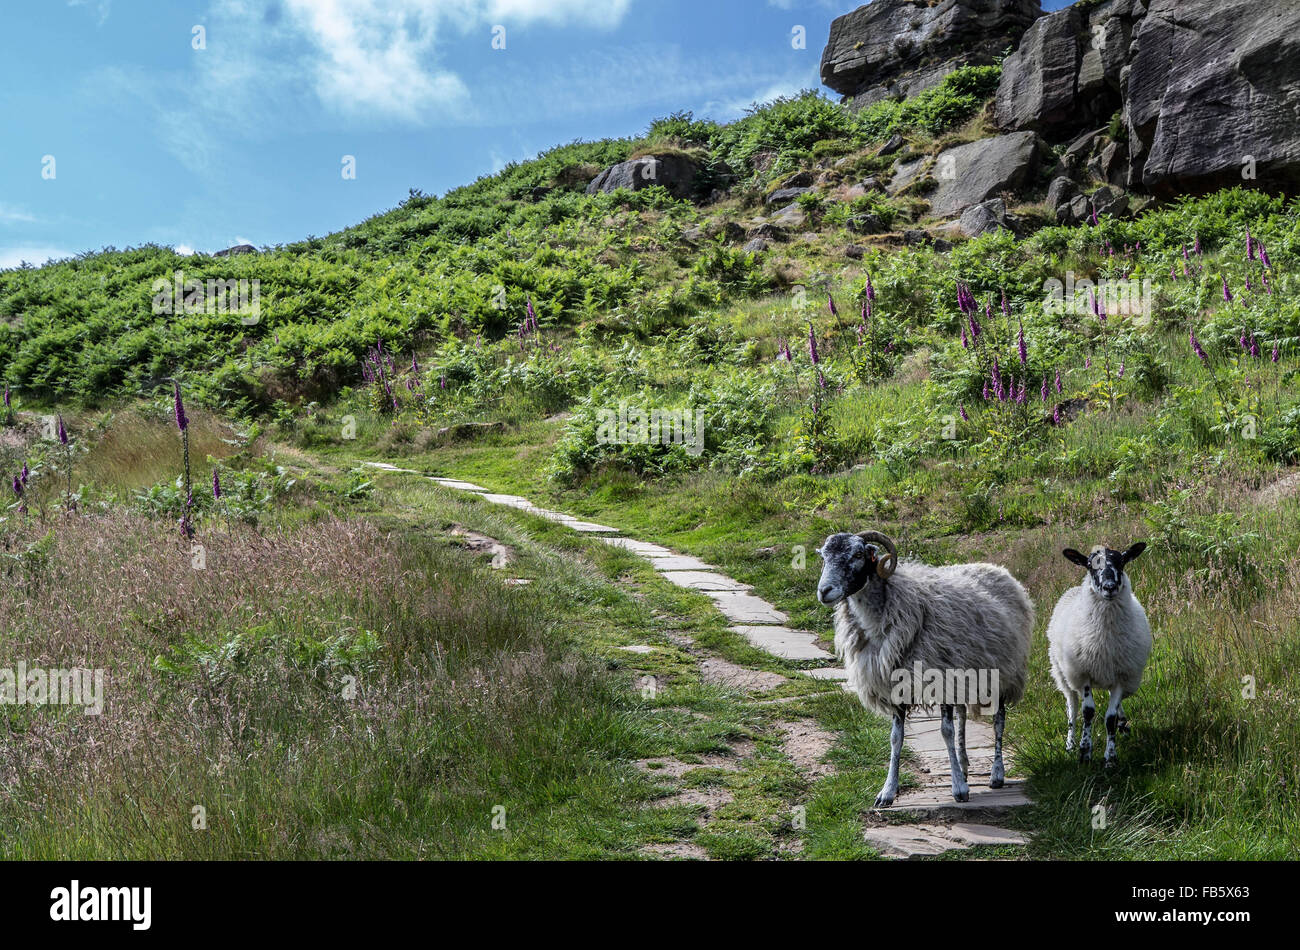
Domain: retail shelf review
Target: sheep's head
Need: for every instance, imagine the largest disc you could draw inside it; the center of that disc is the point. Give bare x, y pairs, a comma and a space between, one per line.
1105, 567
851, 561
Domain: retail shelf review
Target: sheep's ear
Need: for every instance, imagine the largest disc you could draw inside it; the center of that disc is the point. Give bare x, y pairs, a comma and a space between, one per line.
1132, 553
1072, 555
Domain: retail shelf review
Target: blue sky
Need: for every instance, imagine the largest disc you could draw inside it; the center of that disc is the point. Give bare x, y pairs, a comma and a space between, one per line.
153, 140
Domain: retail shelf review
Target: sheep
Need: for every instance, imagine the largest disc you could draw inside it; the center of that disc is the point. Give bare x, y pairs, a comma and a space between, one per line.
897, 623
1099, 638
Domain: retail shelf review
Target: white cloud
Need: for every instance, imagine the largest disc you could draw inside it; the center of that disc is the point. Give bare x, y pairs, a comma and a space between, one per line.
184, 250
12, 215
14, 256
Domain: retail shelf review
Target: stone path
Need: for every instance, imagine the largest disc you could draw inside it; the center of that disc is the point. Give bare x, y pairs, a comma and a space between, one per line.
763, 625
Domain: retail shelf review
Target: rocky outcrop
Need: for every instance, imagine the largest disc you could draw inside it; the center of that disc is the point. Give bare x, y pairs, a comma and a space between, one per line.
236, 250
677, 173
1210, 90
1068, 72
898, 48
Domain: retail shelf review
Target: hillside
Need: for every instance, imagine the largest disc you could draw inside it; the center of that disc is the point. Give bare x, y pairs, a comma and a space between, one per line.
1037, 351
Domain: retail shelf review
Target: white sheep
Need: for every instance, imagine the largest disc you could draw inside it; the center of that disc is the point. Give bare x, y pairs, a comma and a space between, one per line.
897, 625
1099, 638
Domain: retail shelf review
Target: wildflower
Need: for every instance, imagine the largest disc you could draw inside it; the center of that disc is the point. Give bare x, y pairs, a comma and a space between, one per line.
964, 417
415, 365
821, 380
1263, 256
26, 473
1058, 382
1263, 278
532, 315
1184, 252
985, 393
1006, 311
1087, 362
1254, 348
1024, 350
1245, 344
1121, 369
1094, 215
974, 328
1023, 395
1197, 246
1056, 415
1198, 349
1042, 396
1276, 356
216, 485
442, 382
812, 345
830, 303
965, 344
1227, 294
870, 291
62, 432
18, 486
182, 422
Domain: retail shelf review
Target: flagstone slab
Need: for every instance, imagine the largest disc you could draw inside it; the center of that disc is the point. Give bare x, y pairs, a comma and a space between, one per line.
937, 800
828, 673
704, 581
783, 642
680, 562
909, 841
510, 501
638, 648
745, 608
457, 485
642, 548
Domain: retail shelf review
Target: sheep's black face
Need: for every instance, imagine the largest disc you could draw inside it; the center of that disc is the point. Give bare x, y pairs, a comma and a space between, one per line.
848, 563
1105, 567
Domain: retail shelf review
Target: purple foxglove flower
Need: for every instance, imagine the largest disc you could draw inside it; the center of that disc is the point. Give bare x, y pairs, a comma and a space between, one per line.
1087, 362
997, 369
1263, 278
442, 382
1275, 357
1227, 294
965, 344
1094, 214
26, 473
1184, 252
821, 380
1042, 396
1248, 284
182, 422
974, 328
1058, 382
18, 486
1198, 349
1245, 343
216, 485
1121, 369
964, 417
1173, 272
812, 345
62, 432
866, 311
830, 304
1056, 415
1024, 350
1022, 397
985, 392
1197, 246
1185, 274
1263, 256
870, 291
415, 365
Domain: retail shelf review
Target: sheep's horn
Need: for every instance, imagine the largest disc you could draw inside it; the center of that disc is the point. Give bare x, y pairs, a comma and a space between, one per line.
886, 566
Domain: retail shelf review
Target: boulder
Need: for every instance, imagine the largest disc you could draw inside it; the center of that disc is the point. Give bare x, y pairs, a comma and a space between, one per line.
897, 48
791, 216
1108, 200
757, 246
768, 231
1060, 191
855, 252
677, 173
972, 173
904, 174
988, 215
893, 145
866, 223
1209, 90
786, 195
803, 179
237, 249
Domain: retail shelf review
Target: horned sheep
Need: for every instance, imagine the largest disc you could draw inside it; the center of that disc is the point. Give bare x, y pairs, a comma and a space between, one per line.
894, 617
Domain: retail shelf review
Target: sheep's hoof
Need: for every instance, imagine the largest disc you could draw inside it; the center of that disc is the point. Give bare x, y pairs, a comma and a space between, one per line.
1123, 726
996, 783
962, 796
884, 800
1085, 754
1110, 762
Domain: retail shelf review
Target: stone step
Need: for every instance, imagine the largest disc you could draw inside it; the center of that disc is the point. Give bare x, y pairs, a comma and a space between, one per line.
783, 642
928, 840
937, 801
744, 608
704, 581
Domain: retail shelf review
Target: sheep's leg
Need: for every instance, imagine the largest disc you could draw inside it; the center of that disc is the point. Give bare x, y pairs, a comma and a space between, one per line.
1085, 737
890, 789
961, 739
1113, 714
998, 777
1123, 720
1072, 715
960, 790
